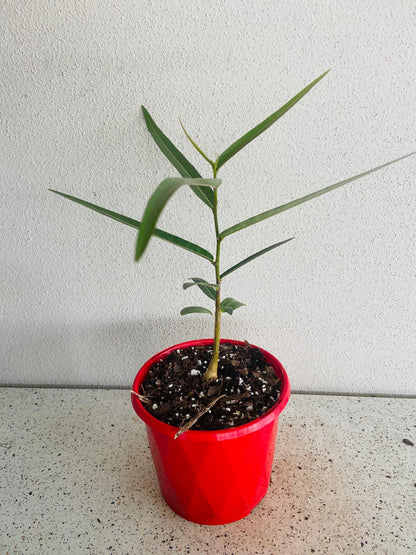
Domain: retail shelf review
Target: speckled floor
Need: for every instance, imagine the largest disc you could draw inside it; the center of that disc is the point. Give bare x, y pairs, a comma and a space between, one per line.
76, 475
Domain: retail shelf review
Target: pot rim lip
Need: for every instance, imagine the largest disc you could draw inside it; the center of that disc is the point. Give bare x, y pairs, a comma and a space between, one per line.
204, 435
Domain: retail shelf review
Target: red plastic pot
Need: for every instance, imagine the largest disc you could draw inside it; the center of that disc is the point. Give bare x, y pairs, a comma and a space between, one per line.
213, 477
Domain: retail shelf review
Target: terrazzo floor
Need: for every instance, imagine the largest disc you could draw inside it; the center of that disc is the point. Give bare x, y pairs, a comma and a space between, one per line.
77, 476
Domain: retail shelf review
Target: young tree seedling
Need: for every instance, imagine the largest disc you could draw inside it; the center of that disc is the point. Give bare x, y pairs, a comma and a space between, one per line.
207, 191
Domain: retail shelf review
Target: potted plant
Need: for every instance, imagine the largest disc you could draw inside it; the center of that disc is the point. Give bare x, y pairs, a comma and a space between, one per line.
211, 406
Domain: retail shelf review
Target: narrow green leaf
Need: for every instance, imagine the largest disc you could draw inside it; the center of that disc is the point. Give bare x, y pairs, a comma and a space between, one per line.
187, 245
177, 159
229, 305
256, 131
188, 284
253, 256
208, 288
158, 201
191, 309
196, 147
293, 203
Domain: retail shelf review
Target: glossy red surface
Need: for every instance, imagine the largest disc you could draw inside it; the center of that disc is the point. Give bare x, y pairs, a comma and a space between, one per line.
213, 477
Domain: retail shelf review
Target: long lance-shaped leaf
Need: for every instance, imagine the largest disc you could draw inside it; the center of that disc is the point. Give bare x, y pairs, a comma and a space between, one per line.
158, 201
256, 131
207, 288
192, 309
293, 203
177, 159
178, 241
253, 256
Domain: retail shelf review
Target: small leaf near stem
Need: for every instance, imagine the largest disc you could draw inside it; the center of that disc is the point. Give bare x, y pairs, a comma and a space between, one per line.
188, 284
229, 305
193, 143
207, 288
194, 309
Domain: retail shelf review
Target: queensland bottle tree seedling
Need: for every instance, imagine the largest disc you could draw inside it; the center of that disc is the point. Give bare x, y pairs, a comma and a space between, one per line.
207, 191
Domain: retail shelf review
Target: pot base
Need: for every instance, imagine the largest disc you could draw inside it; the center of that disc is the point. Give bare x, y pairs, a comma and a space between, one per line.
215, 521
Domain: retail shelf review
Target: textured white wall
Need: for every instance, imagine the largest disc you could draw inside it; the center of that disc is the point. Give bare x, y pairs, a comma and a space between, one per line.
337, 305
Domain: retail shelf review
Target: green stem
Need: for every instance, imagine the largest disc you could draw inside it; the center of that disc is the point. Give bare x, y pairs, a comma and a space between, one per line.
212, 370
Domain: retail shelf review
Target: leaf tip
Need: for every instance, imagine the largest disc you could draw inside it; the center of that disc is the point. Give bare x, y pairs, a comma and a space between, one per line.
139, 250
323, 75
183, 129
57, 192
145, 114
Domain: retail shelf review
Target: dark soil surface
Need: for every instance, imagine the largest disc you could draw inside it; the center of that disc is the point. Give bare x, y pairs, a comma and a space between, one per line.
174, 391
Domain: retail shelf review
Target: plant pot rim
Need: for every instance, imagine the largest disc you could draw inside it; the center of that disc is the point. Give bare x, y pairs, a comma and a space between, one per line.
219, 435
